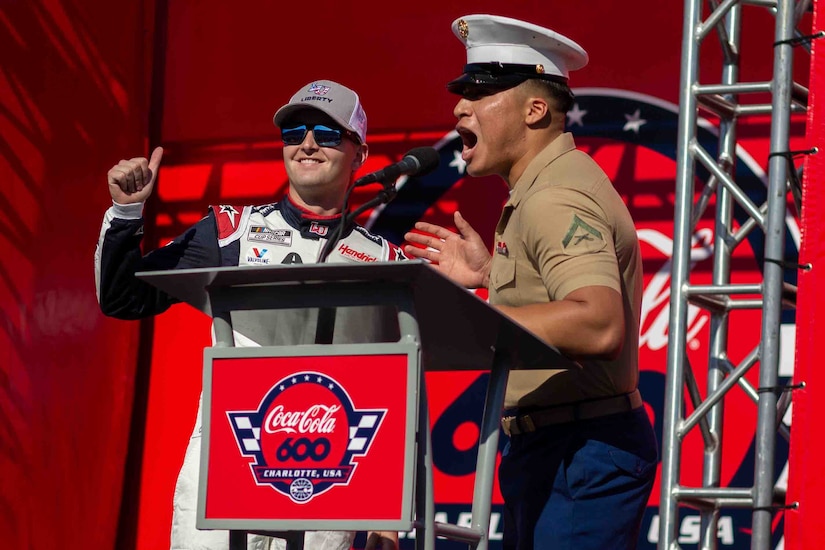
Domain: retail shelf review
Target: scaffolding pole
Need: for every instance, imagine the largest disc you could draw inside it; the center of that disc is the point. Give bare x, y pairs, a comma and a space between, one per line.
682, 394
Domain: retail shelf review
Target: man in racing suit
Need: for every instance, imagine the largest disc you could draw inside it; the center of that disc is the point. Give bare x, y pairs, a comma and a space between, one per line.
324, 143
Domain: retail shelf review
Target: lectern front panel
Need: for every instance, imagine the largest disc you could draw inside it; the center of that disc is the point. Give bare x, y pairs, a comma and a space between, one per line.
309, 437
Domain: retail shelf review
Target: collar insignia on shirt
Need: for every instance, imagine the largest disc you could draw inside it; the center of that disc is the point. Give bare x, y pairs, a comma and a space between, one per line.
501, 248
230, 211
318, 229
579, 232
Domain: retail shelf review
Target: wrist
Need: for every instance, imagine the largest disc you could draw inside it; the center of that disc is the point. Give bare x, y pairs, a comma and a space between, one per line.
131, 211
485, 273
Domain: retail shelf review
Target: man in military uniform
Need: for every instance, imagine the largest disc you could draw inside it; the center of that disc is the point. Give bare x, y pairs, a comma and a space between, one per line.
581, 457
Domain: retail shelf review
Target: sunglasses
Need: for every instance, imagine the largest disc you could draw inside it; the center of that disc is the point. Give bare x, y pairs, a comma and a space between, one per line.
324, 136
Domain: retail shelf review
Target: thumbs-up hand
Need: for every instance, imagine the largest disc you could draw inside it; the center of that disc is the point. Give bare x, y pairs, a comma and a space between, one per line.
132, 180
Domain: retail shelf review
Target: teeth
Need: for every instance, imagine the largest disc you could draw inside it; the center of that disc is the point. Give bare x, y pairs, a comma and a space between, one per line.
309, 161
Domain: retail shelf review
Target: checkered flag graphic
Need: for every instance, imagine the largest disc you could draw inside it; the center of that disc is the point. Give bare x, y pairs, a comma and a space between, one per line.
361, 434
247, 435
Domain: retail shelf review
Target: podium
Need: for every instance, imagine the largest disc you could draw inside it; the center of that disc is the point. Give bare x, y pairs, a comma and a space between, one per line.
331, 436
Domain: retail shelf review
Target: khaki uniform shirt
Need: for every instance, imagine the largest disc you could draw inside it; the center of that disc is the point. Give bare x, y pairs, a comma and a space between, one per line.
565, 227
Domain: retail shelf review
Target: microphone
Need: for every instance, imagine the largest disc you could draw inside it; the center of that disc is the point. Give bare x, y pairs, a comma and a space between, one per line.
416, 162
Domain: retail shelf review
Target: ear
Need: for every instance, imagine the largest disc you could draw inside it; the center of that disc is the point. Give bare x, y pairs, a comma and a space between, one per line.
536, 109
360, 157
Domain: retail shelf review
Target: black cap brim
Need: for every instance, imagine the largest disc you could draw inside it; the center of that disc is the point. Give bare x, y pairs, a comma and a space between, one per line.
496, 77
493, 83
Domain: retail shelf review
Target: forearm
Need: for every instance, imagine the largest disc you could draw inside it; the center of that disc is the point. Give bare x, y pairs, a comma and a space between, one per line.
382, 540
117, 258
593, 327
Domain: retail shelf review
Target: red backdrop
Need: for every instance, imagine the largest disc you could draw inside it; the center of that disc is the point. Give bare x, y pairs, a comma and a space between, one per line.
806, 476
73, 89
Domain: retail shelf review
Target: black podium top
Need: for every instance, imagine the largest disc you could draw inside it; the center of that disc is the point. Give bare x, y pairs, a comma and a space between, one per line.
459, 331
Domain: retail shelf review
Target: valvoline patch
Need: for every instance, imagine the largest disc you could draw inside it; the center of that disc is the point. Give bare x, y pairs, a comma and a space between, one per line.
304, 435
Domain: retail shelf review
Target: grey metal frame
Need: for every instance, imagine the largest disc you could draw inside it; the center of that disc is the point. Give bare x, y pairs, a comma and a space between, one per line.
721, 297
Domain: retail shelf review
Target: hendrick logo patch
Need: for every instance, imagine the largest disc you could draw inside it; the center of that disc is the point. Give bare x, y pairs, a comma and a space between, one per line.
357, 255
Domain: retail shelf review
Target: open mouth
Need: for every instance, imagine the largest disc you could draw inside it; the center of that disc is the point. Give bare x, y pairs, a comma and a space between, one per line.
468, 139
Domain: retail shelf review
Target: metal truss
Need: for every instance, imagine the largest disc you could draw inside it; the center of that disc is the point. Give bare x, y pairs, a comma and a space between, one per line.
686, 407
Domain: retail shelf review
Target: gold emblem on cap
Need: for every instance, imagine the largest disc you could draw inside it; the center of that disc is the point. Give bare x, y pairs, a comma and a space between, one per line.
540, 68
463, 29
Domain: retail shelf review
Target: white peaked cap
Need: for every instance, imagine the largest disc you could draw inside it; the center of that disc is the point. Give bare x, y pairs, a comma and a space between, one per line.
539, 52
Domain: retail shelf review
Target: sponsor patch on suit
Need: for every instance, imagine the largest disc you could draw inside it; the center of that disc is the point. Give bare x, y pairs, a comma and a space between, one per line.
274, 236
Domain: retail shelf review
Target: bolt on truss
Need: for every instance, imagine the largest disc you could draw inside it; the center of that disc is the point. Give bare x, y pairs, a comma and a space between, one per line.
687, 408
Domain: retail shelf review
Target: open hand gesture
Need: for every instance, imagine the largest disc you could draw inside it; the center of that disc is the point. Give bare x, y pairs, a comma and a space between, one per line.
462, 257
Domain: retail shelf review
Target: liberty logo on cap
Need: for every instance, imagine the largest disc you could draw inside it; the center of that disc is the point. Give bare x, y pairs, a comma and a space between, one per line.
318, 89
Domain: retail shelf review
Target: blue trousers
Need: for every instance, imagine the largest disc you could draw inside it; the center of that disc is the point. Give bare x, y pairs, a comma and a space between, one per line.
579, 485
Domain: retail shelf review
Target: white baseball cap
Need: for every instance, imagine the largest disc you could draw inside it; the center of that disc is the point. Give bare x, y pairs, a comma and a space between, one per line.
336, 100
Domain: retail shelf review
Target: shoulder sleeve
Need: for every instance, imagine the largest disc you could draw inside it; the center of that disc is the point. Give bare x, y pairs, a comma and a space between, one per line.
569, 238
230, 221
383, 247
395, 252
118, 257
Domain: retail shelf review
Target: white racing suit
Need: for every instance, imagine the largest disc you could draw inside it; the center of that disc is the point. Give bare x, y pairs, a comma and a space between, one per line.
278, 233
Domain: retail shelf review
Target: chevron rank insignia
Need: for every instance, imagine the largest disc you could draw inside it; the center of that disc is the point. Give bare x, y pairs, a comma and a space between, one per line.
582, 237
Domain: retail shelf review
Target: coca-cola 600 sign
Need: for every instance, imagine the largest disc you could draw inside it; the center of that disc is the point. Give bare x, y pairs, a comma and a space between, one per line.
304, 435
292, 436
